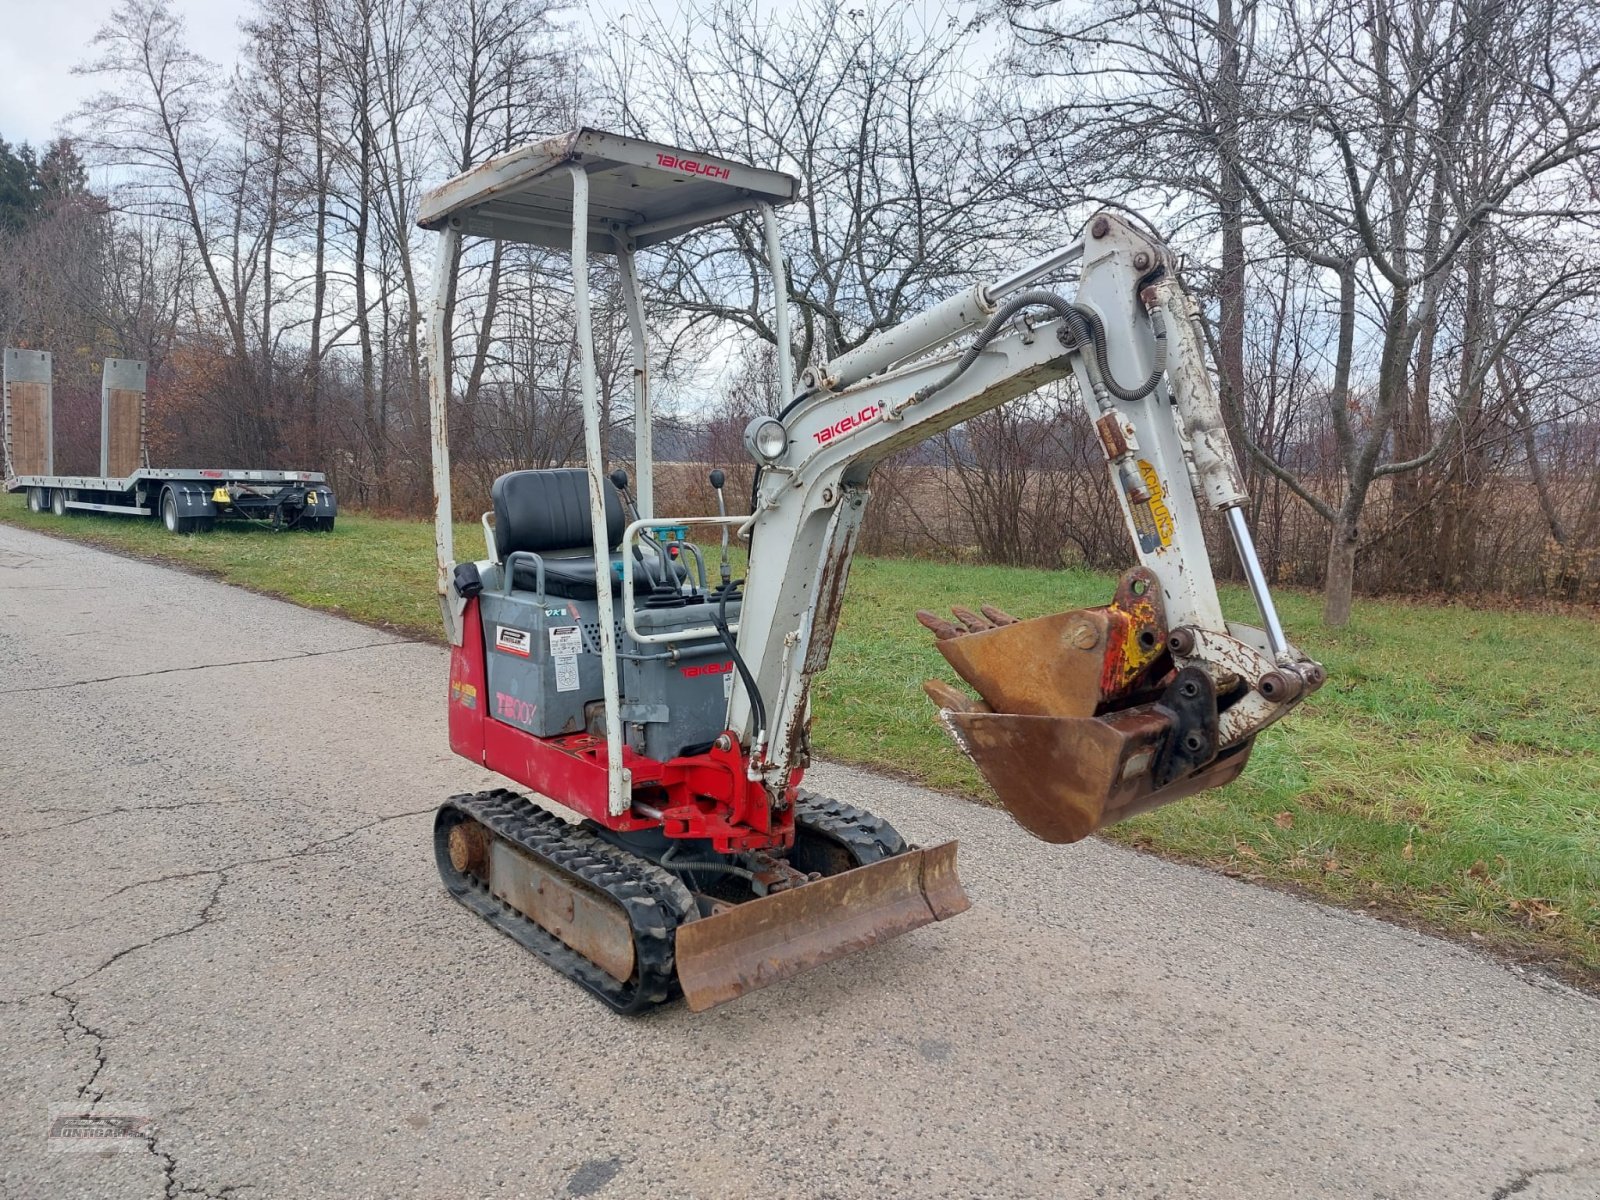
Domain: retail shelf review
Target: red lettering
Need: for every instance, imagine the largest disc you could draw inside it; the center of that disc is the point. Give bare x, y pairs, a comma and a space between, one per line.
514, 708
838, 428
690, 166
707, 669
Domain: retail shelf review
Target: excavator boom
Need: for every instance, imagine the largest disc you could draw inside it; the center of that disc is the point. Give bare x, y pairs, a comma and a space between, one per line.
1081, 718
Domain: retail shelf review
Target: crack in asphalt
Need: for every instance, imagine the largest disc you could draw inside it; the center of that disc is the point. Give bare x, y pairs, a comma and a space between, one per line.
28, 937
310, 850
1523, 1180
205, 917
169, 1176
243, 662
98, 1036
119, 809
73, 1020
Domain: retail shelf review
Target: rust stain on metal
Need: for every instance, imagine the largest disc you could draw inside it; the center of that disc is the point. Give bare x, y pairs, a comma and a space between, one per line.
1063, 778
1073, 732
469, 848
1112, 436
586, 921
1039, 666
1068, 664
755, 944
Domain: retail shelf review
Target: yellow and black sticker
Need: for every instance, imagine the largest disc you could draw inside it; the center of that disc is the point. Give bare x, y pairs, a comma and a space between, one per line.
1160, 514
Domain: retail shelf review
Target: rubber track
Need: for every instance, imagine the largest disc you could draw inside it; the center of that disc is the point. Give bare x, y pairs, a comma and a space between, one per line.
867, 837
655, 901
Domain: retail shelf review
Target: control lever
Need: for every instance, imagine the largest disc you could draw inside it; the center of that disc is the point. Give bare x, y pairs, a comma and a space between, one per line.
619, 480
718, 479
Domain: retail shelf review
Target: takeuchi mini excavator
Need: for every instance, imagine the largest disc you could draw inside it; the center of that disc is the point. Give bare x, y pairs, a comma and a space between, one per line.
598, 660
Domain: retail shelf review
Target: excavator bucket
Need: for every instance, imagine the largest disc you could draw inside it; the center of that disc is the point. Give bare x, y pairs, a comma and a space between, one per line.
1062, 778
1083, 721
748, 946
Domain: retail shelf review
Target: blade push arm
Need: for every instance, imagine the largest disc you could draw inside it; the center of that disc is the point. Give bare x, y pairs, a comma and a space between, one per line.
1129, 339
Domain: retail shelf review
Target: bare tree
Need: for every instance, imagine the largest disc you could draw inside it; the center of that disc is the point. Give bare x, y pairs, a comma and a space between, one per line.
908, 165
156, 122
1378, 141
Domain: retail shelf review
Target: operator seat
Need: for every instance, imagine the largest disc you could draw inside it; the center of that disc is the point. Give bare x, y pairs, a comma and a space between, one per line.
547, 513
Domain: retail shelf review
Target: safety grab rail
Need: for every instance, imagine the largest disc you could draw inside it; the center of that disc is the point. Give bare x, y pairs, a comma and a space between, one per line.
629, 535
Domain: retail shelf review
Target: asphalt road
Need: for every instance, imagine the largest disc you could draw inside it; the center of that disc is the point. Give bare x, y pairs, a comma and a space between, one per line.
218, 912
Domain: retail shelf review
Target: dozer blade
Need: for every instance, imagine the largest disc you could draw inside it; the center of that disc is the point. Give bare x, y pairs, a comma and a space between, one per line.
760, 942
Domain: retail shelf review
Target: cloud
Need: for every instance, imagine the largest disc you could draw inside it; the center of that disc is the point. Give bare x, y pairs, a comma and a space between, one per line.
44, 39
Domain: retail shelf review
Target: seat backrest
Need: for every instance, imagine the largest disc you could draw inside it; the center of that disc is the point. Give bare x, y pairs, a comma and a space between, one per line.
542, 511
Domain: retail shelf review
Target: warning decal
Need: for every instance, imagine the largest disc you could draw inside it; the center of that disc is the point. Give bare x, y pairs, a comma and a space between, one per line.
1160, 514
565, 640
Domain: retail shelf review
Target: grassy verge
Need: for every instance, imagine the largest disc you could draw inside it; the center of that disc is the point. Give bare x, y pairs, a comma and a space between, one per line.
1448, 775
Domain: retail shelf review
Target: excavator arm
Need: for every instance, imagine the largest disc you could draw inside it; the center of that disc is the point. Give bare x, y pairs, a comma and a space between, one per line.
1081, 718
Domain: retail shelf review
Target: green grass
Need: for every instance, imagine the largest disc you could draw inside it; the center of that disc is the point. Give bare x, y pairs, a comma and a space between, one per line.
1448, 775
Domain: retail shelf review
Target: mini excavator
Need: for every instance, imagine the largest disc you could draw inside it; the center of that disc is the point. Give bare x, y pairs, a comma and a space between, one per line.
597, 662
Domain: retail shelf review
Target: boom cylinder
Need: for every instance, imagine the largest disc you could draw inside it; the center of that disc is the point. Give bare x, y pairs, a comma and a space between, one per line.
945, 320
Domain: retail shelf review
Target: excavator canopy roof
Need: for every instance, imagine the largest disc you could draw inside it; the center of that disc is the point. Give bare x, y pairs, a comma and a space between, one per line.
639, 191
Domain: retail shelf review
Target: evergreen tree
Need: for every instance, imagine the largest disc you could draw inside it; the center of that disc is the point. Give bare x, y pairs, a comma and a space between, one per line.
19, 186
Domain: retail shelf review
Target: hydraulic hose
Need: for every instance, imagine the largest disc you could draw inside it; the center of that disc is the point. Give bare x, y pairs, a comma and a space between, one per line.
720, 620
1088, 333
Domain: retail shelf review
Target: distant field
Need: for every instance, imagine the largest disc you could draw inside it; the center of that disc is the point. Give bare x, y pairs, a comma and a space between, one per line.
1448, 775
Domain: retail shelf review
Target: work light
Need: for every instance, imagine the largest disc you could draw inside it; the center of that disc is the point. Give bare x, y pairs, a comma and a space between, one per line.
765, 439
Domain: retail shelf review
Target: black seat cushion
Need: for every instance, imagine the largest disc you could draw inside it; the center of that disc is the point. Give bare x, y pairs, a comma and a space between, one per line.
573, 578
542, 511
568, 578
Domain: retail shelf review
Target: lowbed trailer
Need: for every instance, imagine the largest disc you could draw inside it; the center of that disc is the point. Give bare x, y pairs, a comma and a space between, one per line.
187, 500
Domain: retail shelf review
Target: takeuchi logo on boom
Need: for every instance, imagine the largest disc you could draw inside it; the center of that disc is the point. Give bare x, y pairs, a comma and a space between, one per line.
691, 166
824, 436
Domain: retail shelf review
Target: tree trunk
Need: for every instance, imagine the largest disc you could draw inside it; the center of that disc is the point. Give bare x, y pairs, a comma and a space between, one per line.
1341, 580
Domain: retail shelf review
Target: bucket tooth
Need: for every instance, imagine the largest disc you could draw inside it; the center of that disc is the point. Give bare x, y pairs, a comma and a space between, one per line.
760, 942
946, 695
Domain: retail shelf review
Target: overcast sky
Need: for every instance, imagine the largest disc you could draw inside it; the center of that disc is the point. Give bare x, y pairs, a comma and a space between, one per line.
42, 40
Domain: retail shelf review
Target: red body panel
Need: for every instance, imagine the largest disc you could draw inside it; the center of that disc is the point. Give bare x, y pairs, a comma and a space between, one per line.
699, 796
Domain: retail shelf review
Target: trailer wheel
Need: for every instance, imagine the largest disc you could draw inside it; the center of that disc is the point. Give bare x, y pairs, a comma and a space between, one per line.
318, 524
38, 499
170, 517
58, 501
